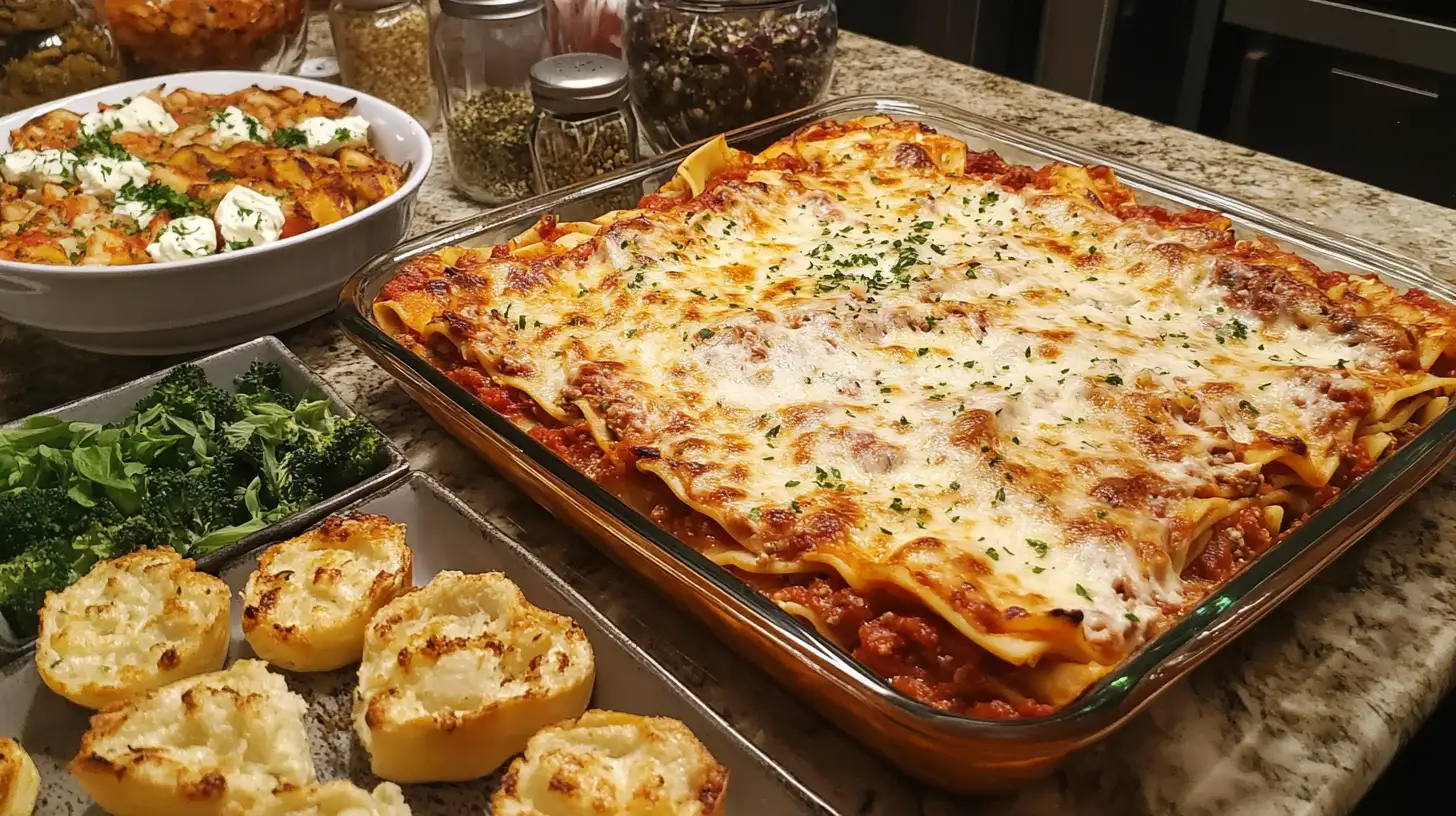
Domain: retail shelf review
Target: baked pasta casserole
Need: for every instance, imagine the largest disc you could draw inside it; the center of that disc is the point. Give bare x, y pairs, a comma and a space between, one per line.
184, 174
988, 427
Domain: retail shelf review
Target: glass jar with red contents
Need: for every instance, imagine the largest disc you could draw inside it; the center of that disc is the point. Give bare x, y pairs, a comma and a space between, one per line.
169, 36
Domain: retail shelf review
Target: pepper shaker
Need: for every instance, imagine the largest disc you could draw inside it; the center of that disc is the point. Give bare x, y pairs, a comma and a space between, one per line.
383, 48
584, 126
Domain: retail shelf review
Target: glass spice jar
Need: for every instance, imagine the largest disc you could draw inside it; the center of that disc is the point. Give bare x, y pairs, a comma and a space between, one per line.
484, 50
383, 48
584, 126
702, 67
53, 48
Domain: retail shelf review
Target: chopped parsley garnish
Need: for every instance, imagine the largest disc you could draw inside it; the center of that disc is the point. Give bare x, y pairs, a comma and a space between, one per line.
289, 137
773, 432
830, 479
219, 175
1113, 379
98, 143
1041, 547
343, 135
1248, 406
1081, 590
235, 245
992, 554
160, 197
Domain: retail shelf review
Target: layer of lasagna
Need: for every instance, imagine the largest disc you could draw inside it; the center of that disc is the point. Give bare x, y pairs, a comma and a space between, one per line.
184, 174
990, 428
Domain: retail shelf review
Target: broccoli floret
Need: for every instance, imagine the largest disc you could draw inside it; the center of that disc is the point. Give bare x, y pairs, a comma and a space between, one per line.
186, 392
25, 579
181, 507
38, 514
349, 453
263, 381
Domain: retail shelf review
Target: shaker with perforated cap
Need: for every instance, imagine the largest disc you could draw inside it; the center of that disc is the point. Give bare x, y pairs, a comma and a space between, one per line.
584, 126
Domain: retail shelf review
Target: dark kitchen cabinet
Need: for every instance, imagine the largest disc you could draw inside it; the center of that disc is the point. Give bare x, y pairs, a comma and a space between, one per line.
1384, 123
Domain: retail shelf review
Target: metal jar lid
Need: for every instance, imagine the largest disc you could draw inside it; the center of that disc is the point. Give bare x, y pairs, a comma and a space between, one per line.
491, 9
574, 84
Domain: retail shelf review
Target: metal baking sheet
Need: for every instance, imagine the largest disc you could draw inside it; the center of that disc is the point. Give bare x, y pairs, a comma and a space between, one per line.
444, 534
221, 367
960, 753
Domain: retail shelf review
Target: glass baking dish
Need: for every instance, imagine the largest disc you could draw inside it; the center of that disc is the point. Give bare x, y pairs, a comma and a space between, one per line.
954, 752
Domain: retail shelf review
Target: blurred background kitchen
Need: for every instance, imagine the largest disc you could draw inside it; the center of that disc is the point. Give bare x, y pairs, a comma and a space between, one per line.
1343, 86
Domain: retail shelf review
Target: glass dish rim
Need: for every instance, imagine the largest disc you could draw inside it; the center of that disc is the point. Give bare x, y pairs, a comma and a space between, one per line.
1133, 682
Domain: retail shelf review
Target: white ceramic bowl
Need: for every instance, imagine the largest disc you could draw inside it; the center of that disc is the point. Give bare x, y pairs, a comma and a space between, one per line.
220, 300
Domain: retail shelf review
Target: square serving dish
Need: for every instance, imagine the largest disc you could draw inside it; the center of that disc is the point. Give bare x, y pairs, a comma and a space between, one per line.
955, 752
221, 368
444, 534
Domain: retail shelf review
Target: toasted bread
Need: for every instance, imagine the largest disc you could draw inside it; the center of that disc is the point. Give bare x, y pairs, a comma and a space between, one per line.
221, 744
19, 780
339, 798
130, 625
306, 606
457, 675
609, 762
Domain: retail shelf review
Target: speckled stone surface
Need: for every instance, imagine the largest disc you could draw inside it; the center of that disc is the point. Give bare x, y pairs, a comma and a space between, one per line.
1298, 717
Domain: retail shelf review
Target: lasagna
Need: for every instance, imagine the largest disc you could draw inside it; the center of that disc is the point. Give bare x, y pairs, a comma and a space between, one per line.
170, 177
988, 427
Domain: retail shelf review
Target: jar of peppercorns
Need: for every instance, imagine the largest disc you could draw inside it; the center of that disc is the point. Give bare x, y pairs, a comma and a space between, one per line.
484, 50
702, 67
584, 126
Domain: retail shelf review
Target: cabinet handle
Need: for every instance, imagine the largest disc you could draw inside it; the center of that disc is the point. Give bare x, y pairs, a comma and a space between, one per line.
1385, 83
1244, 95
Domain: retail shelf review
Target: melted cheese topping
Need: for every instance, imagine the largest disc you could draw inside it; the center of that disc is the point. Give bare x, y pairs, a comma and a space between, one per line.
236, 735
464, 643
1023, 403
609, 762
130, 624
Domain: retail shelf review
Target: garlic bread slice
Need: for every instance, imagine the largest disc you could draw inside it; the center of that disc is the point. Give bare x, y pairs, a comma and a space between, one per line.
130, 625
306, 606
19, 780
339, 798
458, 674
220, 744
609, 762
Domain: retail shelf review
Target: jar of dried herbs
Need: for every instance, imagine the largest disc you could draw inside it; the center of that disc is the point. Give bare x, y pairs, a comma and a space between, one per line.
702, 67
584, 126
484, 50
383, 48
51, 49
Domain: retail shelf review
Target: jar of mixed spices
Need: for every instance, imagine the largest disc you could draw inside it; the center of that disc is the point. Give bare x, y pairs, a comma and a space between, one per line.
484, 50
383, 48
51, 49
584, 126
701, 67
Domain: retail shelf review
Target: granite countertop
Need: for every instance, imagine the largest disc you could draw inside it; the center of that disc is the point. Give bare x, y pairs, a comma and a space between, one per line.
1298, 717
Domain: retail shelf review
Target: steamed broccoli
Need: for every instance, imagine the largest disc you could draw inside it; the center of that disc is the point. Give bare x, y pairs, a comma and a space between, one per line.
263, 382
187, 393
74, 538
35, 514
25, 579
193, 467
